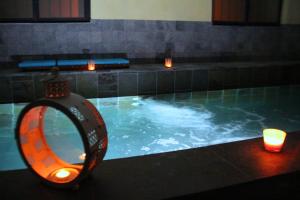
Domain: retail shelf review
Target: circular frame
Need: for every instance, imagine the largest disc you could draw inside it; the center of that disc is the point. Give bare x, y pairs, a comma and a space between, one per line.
89, 124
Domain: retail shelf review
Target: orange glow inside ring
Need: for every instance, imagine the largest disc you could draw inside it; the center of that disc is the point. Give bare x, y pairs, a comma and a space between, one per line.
37, 152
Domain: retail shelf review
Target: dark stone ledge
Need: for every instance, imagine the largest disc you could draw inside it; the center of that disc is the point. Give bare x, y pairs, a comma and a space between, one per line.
152, 79
218, 170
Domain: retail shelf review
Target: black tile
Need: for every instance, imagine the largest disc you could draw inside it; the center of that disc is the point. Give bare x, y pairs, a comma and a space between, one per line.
183, 97
128, 84
275, 76
245, 77
260, 76
165, 82
87, 85
215, 79
231, 78
183, 81
6, 90
295, 75
147, 83
71, 78
39, 85
200, 80
23, 91
26, 77
286, 75
108, 85
180, 26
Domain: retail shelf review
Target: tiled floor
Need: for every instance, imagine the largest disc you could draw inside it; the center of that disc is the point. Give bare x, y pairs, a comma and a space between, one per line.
176, 174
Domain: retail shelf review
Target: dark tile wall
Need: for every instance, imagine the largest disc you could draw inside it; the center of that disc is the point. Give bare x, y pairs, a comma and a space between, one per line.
183, 81
245, 78
200, 80
215, 79
260, 76
108, 85
6, 89
38, 80
87, 84
147, 83
128, 84
231, 77
149, 39
25, 87
165, 82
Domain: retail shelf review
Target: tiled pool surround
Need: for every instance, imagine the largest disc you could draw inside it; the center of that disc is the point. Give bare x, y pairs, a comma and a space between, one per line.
16, 86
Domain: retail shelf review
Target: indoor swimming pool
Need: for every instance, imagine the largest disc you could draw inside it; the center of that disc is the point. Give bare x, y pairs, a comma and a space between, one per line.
141, 125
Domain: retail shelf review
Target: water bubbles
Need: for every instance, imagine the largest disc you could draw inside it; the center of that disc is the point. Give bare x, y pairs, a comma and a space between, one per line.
145, 148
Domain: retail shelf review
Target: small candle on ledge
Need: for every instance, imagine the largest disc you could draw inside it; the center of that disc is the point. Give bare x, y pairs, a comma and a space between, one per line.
91, 65
273, 139
168, 62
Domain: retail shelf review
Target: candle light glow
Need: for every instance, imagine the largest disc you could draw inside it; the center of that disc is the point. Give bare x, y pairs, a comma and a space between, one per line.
91, 65
168, 62
82, 156
273, 139
62, 173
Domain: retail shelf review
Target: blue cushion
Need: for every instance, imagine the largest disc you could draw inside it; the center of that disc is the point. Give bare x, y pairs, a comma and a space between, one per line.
36, 63
52, 63
111, 61
72, 62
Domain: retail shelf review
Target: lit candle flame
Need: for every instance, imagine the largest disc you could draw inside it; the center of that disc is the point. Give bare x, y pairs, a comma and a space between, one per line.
62, 173
168, 62
91, 65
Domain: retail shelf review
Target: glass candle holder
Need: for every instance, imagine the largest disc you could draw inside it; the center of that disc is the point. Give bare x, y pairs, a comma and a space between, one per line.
273, 139
168, 62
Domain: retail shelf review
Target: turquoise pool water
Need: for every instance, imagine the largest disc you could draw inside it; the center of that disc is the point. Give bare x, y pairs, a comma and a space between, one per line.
140, 125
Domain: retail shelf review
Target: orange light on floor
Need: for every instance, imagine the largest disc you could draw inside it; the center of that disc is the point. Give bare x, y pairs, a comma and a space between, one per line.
168, 62
273, 139
91, 65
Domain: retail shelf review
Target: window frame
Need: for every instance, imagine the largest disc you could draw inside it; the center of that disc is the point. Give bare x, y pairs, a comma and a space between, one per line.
246, 17
36, 18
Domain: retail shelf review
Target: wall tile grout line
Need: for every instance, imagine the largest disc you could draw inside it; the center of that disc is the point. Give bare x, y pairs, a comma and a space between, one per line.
33, 87
156, 85
118, 82
11, 89
192, 80
174, 81
97, 86
137, 83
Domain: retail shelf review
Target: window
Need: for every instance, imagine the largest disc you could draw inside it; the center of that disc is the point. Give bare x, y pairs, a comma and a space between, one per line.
44, 10
249, 12
20, 9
